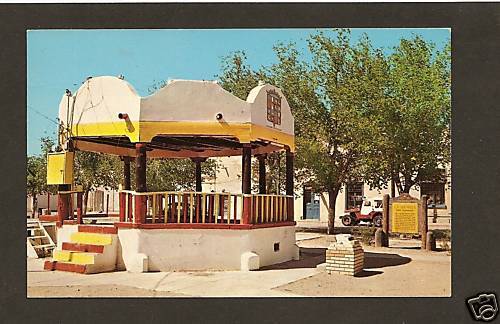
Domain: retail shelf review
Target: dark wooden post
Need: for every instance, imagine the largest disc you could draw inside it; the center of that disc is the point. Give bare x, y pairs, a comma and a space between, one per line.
48, 203
246, 181
385, 220
262, 173
198, 175
126, 173
289, 183
197, 162
63, 204
126, 186
123, 202
423, 221
140, 165
79, 207
140, 182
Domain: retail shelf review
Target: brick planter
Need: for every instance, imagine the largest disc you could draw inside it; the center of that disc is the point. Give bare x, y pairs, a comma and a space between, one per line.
344, 255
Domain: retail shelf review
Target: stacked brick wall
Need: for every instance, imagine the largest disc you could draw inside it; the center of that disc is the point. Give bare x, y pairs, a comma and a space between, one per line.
345, 258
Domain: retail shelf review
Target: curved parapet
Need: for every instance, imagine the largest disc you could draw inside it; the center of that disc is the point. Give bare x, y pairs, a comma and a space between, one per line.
93, 110
109, 107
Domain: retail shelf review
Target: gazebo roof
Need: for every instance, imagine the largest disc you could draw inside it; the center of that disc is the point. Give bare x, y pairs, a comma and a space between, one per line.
186, 118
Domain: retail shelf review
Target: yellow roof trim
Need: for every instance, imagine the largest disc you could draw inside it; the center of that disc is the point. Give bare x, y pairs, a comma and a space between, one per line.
144, 131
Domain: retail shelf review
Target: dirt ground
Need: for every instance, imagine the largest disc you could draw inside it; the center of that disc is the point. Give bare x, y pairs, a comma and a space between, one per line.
96, 291
402, 271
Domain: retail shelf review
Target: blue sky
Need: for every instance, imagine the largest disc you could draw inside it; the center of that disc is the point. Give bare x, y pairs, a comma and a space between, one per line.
60, 59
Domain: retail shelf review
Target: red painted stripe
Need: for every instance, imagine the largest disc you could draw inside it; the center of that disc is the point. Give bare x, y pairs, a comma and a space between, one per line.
67, 246
97, 229
63, 266
48, 218
204, 226
49, 265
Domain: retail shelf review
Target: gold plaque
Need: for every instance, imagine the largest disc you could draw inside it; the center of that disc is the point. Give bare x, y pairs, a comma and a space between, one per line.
404, 218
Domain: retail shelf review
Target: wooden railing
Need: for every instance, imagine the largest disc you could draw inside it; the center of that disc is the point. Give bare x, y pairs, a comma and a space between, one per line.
203, 208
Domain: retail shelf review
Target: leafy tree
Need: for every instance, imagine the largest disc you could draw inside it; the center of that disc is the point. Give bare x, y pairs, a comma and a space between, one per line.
275, 173
36, 178
176, 174
236, 76
93, 170
332, 99
416, 141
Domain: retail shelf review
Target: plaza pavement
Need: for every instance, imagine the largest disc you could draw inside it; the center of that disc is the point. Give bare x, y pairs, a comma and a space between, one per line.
387, 270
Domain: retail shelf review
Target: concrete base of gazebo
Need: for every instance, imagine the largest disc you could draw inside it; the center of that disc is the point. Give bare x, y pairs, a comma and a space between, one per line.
205, 249
143, 250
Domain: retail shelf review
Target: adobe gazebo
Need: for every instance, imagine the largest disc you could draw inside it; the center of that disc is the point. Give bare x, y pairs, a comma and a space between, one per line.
175, 230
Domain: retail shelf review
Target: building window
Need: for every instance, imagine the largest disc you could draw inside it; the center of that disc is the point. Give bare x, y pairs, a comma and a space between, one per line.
310, 204
354, 195
435, 192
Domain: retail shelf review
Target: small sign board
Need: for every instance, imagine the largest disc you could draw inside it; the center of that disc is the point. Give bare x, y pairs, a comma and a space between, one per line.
60, 168
404, 218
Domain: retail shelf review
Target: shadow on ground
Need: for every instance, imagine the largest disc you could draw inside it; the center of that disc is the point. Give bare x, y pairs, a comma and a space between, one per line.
381, 260
311, 257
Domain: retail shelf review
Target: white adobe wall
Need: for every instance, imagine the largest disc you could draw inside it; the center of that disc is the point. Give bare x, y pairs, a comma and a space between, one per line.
203, 249
64, 234
100, 99
370, 194
181, 98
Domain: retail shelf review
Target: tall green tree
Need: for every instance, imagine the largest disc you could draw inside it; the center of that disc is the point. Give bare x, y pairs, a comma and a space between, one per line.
416, 124
176, 174
94, 170
359, 114
36, 177
333, 97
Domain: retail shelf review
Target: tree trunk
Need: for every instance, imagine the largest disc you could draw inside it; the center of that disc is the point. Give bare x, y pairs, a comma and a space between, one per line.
332, 198
34, 205
408, 184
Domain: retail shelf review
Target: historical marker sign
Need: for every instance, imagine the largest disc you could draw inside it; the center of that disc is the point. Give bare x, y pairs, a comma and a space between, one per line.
403, 214
404, 218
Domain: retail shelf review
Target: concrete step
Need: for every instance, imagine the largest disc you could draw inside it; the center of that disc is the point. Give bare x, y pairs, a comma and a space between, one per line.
91, 249
91, 262
76, 257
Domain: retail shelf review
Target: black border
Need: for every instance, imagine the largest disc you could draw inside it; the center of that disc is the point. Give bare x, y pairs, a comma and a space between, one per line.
476, 156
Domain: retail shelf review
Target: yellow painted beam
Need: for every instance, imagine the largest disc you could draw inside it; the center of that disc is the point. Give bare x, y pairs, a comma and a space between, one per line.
144, 131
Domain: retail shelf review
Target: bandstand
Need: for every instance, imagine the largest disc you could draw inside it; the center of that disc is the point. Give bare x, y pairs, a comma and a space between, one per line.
174, 230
